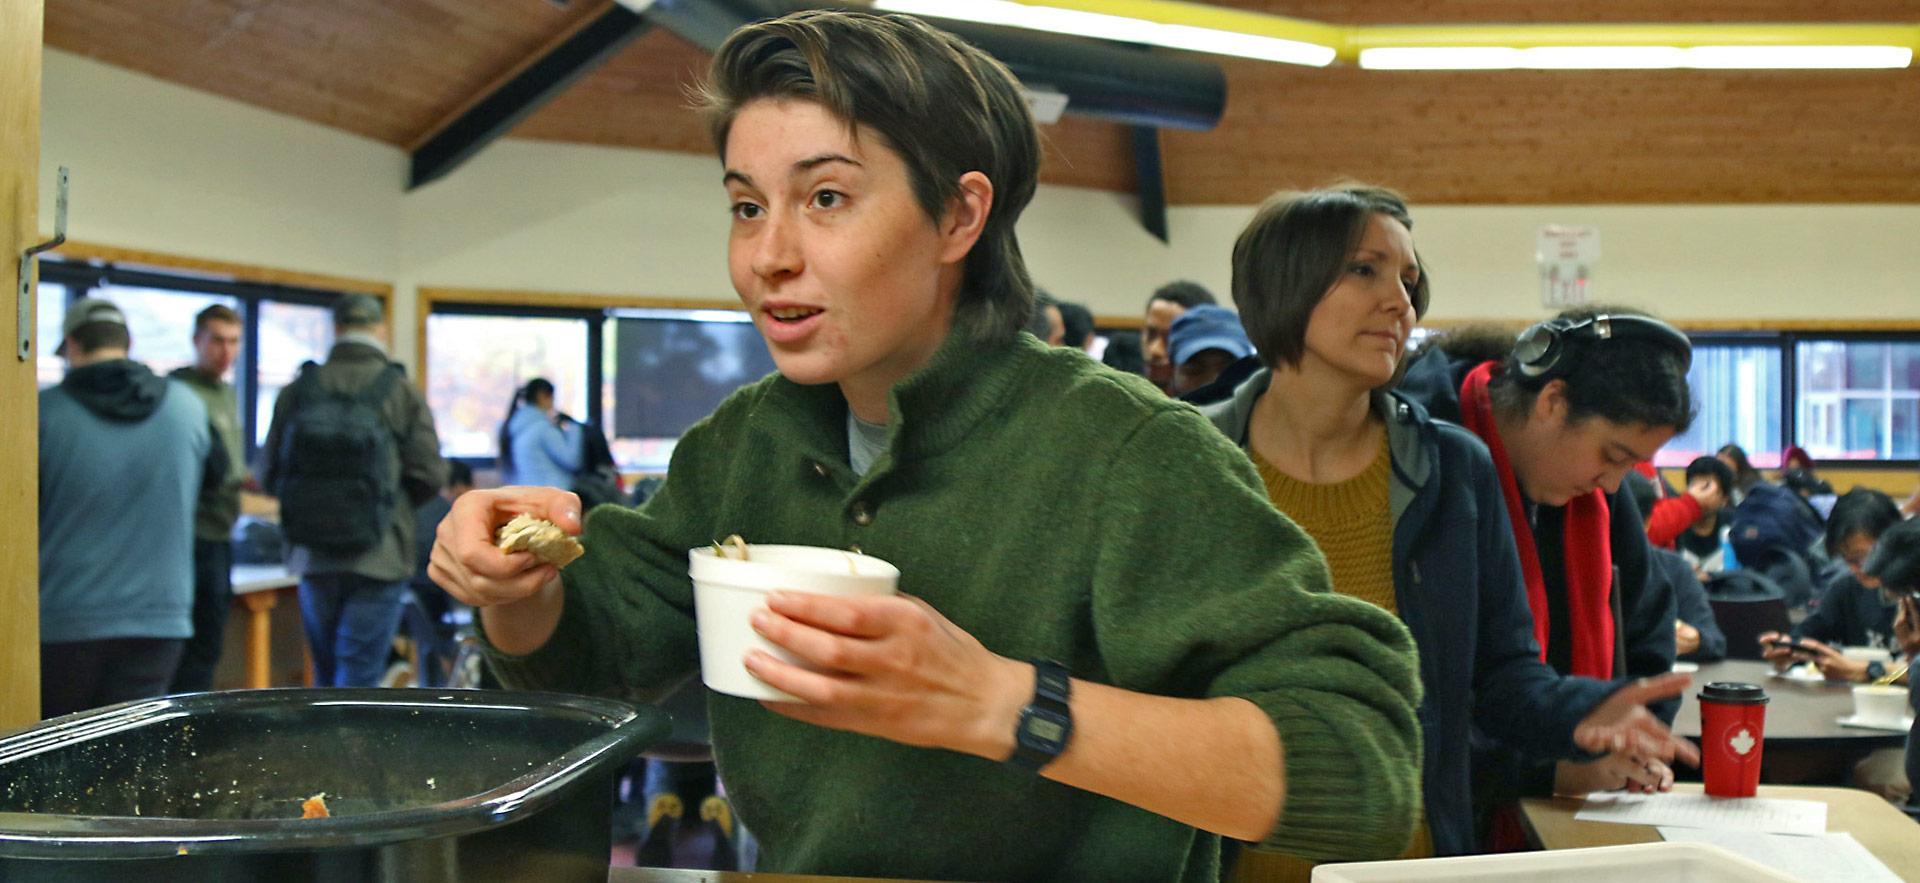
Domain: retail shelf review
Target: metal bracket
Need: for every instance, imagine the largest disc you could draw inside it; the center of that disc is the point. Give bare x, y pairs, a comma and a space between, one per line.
27, 294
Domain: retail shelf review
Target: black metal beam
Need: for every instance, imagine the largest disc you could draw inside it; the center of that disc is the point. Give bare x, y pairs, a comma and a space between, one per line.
524, 92
1150, 180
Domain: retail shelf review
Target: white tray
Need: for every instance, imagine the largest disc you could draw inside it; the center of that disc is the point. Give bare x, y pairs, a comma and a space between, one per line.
1639, 863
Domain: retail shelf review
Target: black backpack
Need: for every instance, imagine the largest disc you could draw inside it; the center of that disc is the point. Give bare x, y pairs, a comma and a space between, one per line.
335, 483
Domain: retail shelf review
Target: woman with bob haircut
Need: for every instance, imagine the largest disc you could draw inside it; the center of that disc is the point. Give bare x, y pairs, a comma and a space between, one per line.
1406, 508
874, 169
1567, 409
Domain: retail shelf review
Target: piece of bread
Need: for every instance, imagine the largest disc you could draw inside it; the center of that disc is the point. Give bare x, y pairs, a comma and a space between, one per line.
543, 538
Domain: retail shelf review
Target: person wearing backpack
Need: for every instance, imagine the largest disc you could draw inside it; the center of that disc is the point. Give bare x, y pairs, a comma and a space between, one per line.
351, 452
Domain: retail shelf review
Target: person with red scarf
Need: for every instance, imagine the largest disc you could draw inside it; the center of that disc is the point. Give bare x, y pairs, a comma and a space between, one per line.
1567, 410
1406, 509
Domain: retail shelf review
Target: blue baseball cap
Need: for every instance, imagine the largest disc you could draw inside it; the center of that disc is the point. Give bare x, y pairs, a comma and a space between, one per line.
1205, 328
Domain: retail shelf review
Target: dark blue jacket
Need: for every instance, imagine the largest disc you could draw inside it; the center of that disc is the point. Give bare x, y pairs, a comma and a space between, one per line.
1644, 608
1458, 587
1690, 602
1852, 614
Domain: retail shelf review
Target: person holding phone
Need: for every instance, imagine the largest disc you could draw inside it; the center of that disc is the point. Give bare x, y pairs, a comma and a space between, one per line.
1853, 611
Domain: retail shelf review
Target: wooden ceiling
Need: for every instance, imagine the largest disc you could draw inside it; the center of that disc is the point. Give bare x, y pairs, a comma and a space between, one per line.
393, 70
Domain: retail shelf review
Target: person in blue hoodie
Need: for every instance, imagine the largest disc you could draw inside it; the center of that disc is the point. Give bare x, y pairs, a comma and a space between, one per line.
124, 455
538, 445
1567, 409
1405, 507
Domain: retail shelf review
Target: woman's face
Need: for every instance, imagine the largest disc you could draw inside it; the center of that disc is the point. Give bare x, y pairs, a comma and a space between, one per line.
1359, 329
1854, 549
845, 276
1555, 460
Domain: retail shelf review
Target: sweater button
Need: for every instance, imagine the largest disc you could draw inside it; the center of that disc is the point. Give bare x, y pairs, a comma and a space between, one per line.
862, 513
820, 469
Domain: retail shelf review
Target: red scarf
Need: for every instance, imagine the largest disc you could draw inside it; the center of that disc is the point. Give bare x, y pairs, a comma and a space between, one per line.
1587, 553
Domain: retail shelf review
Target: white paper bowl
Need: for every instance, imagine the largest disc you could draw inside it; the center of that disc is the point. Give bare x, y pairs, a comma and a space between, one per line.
726, 592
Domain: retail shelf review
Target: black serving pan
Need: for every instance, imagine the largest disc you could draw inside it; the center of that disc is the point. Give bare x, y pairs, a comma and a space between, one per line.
422, 785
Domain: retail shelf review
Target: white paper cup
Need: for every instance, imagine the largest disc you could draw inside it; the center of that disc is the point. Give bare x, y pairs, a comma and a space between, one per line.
1878, 704
726, 592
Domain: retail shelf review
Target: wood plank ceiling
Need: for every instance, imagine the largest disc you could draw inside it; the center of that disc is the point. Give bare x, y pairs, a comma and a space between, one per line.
393, 69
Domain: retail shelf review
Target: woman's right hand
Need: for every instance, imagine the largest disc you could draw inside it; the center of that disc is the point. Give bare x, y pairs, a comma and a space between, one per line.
1635, 773
472, 569
1782, 657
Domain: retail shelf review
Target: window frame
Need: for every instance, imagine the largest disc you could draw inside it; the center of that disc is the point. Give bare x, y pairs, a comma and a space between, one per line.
596, 346
1787, 342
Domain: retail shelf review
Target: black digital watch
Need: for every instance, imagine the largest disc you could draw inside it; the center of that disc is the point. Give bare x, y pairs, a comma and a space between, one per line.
1047, 722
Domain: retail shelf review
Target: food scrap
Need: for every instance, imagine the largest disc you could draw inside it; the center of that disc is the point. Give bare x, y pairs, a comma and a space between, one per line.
543, 538
315, 807
734, 547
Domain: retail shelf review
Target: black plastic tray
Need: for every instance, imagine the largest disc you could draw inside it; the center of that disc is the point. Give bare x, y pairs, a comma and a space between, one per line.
422, 785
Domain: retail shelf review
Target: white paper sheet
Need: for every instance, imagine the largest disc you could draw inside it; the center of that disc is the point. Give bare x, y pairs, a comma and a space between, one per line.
1700, 811
1823, 858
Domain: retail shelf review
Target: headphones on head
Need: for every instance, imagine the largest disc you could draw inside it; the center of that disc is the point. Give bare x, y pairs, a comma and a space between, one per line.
1542, 351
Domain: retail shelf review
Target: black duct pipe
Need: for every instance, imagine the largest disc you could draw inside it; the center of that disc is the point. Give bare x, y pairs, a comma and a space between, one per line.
1103, 80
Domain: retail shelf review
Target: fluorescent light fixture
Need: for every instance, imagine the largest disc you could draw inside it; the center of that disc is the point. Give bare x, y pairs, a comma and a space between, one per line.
1633, 57
1125, 29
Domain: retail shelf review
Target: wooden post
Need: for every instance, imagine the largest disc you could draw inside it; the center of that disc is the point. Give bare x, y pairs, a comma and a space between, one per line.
20, 27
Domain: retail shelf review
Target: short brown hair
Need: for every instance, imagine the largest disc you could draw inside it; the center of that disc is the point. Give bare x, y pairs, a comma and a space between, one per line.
1293, 251
944, 106
215, 313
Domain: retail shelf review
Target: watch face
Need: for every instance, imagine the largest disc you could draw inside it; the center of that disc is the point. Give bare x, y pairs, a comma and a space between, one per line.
1041, 729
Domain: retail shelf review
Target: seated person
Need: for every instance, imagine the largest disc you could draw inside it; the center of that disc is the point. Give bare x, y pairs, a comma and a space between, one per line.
1203, 342
1852, 611
1692, 522
1697, 637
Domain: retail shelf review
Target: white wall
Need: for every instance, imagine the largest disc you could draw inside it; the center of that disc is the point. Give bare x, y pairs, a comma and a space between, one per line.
1758, 262
163, 168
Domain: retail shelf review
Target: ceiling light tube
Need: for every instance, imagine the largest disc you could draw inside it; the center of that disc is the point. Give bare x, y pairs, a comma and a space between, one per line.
1188, 26
1633, 57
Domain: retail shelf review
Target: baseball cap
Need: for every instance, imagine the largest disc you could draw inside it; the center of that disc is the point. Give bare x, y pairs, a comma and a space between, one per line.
87, 311
357, 309
1205, 328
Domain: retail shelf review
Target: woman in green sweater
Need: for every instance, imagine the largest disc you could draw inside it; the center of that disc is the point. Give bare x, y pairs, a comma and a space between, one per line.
875, 169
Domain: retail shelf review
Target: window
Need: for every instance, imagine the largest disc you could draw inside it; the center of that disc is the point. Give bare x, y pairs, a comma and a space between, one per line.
475, 362
283, 326
48, 368
643, 375
1737, 391
1858, 399
288, 336
668, 369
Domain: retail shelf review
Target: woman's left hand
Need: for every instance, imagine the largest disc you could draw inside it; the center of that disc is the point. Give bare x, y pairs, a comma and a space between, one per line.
1622, 725
891, 667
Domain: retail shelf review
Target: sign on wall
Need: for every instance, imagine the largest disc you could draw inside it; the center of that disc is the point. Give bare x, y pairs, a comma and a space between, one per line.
1566, 257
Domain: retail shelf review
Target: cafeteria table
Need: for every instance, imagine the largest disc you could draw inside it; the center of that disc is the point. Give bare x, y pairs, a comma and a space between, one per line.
1883, 829
1805, 744
257, 589
670, 875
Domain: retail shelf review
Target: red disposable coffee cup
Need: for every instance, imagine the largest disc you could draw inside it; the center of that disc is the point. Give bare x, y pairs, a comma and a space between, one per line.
1733, 719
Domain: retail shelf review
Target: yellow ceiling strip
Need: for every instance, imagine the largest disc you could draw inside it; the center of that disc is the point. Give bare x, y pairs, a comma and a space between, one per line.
1201, 15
